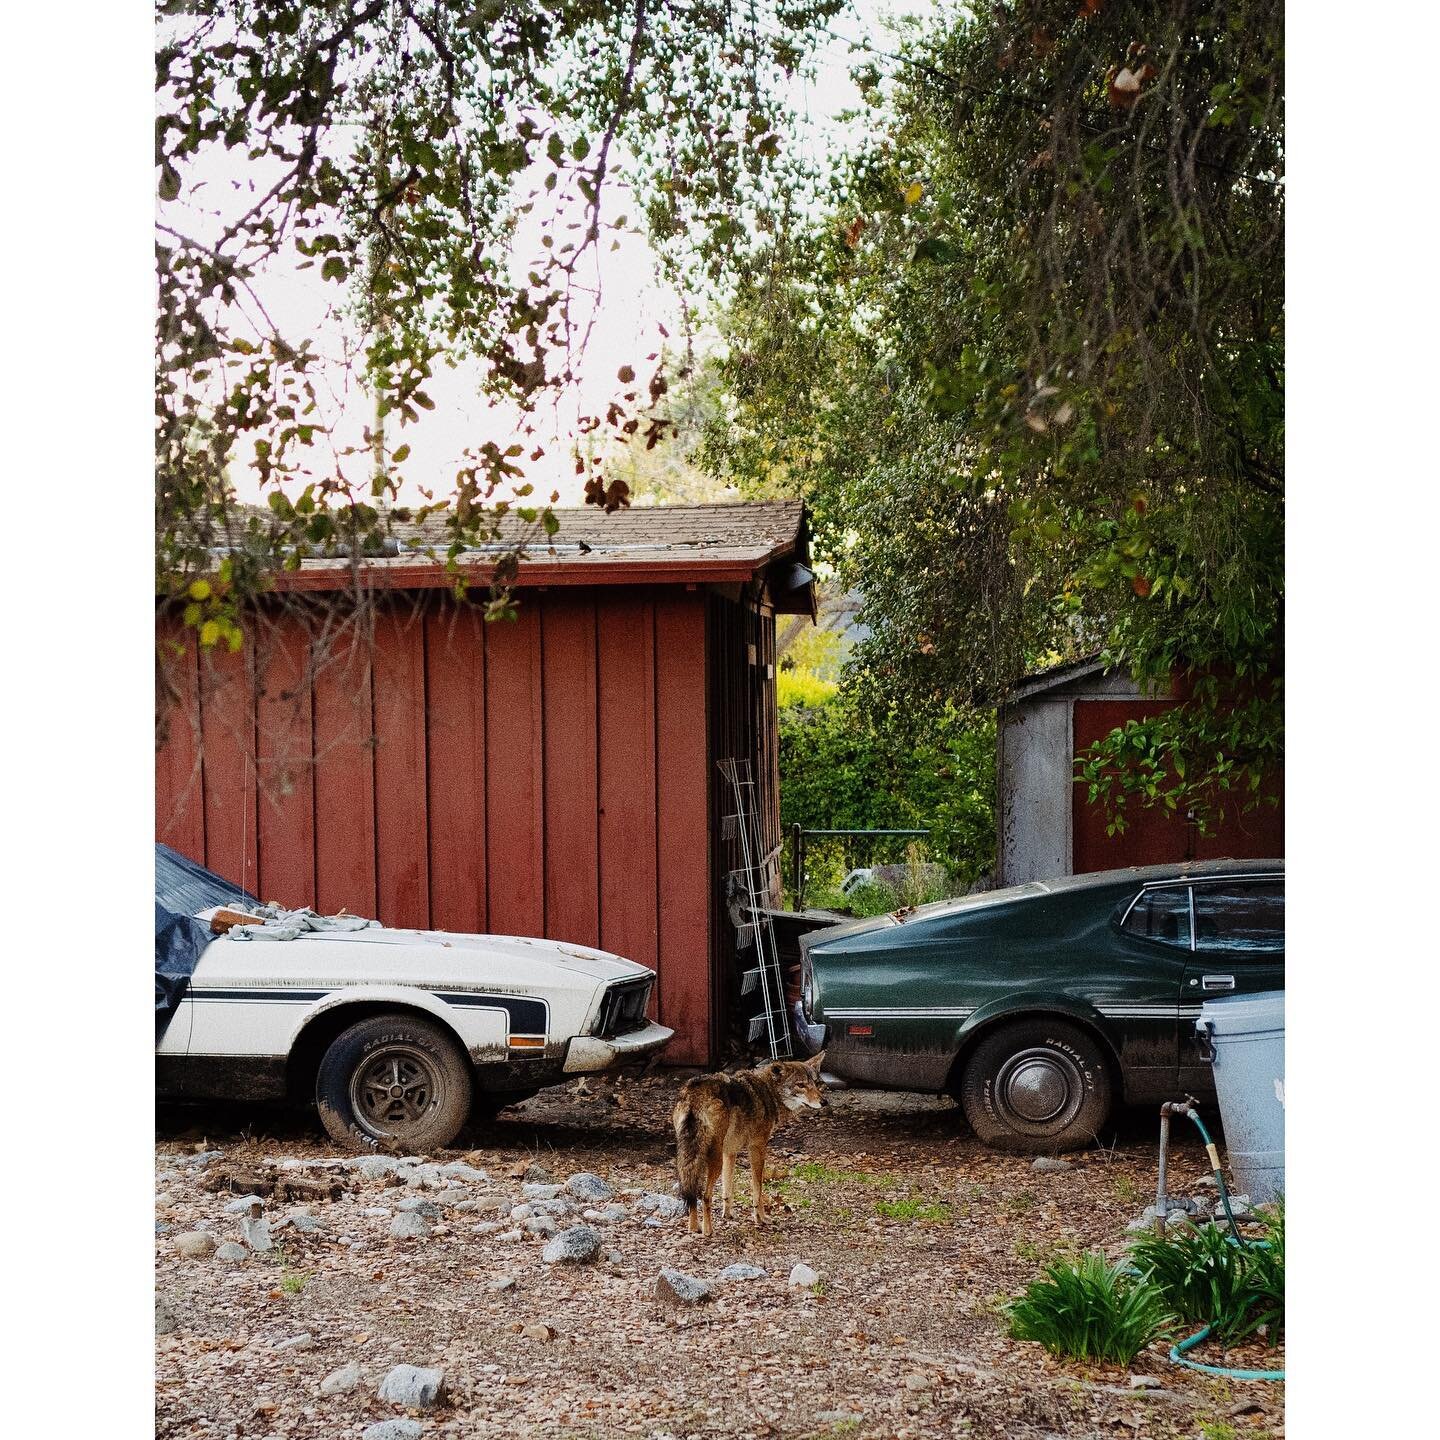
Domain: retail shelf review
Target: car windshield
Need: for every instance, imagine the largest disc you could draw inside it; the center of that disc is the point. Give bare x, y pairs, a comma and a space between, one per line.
185, 888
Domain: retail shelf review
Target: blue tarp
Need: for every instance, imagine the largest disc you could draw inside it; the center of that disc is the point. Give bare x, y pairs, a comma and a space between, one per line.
182, 888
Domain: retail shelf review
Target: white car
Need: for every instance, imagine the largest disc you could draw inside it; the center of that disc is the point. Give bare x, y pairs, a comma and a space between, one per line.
395, 1034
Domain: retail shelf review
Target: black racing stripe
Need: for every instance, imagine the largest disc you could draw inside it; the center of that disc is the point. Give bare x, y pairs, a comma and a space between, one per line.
285, 994
527, 1017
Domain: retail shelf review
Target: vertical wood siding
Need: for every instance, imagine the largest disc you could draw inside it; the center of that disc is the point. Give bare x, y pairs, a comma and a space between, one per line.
549, 776
1156, 836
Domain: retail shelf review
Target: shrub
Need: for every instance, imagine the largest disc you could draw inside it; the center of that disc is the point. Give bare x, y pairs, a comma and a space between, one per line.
1091, 1310
842, 770
1207, 1279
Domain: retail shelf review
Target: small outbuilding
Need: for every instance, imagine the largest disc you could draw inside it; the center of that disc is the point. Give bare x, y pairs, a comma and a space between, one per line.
553, 775
1045, 823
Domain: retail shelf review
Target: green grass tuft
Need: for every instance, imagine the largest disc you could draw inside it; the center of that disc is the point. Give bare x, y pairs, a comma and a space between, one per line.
912, 1207
1091, 1310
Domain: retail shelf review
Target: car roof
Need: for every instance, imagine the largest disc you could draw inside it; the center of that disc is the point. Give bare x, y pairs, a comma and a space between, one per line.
1060, 885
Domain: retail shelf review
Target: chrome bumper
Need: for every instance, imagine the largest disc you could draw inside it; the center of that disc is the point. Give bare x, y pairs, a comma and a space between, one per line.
587, 1053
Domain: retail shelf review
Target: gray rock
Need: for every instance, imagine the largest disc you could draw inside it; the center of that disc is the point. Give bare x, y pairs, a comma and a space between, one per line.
511, 1235
557, 1206
1048, 1165
654, 1222
393, 1430
502, 1282
521, 1212
241, 1204
376, 1212
231, 1251
303, 1220
202, 1159
418, 1205
255, 1232
537, 1174
576, 1245
342, 1381
195, 1244
1145, 1382
741, 1270
1207, 1182
803, 1276
295, 1342
162, 1227
424, 1177
664, 1207
459, 1170
674, 1288
413, 1386
375, 1167
538, 1191
452, 1197
409, 1226
608, 1215
167, 1320
586, 1186
543, 1225
485, 1227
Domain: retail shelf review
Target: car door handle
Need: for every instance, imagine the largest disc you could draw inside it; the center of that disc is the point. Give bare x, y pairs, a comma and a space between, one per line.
1217, 982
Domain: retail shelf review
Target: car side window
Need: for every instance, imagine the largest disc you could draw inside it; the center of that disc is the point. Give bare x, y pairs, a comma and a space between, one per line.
1163, 915
1246, 917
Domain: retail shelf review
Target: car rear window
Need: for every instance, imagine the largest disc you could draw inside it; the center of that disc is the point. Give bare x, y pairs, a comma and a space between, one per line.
1246, 916
1163, 915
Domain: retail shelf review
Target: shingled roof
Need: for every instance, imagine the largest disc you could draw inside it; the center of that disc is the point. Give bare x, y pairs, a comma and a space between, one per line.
642, 544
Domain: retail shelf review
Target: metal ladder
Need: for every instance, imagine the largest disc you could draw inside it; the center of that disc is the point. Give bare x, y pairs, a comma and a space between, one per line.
751, 879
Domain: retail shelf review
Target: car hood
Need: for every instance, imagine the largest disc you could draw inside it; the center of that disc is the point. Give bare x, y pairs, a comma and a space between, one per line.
417, 957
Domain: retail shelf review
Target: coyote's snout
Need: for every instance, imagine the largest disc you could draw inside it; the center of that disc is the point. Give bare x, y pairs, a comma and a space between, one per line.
717, 1116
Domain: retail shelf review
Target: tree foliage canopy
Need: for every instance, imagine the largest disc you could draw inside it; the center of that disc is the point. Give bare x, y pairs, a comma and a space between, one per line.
1028, 368
440, 166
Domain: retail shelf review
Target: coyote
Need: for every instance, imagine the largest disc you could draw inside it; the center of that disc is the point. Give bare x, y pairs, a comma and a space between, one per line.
717, 1116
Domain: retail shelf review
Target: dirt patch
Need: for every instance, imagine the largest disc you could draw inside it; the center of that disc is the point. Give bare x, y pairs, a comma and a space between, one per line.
918, 1235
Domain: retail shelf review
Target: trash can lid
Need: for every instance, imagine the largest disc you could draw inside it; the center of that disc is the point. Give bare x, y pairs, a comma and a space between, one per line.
1245, 1014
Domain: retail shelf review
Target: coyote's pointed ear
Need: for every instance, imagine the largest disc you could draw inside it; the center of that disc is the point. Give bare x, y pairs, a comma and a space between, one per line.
813, 1062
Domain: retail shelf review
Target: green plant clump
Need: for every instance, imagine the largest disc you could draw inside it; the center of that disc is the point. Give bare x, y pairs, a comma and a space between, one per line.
1091, 1310
1207, 1279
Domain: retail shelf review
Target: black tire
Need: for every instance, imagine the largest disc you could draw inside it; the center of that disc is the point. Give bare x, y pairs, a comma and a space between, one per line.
394, 1082
1038, 1086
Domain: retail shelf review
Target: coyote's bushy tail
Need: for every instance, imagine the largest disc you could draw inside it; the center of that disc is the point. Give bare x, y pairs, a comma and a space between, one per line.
691, 1165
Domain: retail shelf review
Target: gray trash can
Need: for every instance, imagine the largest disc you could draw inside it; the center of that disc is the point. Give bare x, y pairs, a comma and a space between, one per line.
1247, 1034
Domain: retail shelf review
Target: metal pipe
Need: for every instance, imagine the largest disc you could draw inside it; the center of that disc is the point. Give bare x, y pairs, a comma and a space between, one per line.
1160, 1205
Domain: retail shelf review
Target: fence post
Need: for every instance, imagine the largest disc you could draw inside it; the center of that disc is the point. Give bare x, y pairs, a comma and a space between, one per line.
797, 859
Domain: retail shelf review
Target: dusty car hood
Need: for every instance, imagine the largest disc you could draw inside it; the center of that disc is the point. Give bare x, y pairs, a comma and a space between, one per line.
415, 957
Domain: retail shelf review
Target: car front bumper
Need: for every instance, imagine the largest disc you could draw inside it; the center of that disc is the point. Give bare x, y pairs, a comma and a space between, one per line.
588, 1053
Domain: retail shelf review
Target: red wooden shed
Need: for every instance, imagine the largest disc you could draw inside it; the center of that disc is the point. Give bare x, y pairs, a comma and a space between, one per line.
552, 775
1048, 827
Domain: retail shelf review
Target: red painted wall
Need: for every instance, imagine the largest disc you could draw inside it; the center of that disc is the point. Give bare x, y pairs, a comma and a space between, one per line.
548, 776
1153, 836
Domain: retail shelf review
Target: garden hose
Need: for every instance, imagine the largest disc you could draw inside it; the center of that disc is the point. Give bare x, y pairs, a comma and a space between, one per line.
1177, 1352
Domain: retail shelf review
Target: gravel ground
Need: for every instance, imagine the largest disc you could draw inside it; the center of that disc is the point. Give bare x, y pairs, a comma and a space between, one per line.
917, 1233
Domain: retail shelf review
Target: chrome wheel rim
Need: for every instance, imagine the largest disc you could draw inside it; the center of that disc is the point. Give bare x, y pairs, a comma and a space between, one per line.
1039, 1089
394, 1090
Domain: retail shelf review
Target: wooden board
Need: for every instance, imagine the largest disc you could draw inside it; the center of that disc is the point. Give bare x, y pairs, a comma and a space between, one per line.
682, 808
285, 742
626, 686
179, 781
402, 842
227, 729
572, 897
455, 735
345, 779
514, 811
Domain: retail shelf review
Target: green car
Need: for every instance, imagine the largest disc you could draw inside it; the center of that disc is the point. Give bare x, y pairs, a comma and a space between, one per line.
1043, 1006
